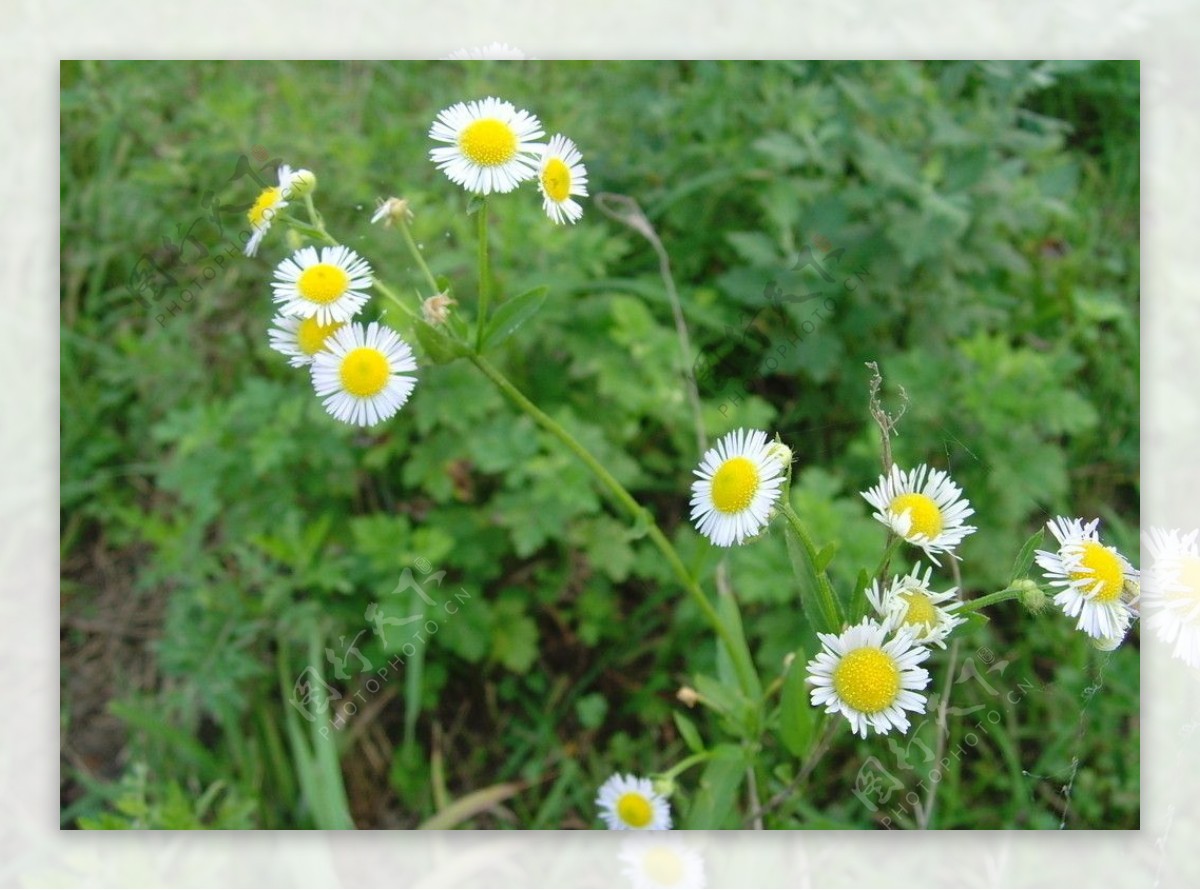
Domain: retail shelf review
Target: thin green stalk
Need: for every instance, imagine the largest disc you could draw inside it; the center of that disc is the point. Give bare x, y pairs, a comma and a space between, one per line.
626, 500
394, 297
418, 257
484, 274
825, 595
1008, 593
687, 763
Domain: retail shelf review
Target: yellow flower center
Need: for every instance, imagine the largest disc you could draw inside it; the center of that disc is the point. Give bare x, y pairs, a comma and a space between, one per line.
634, 810
663, 866
556, 180
867, 679
264, 207
921, 611
488, 142
311, 337
924, 516
1101, 564
364, 371
734, 485
323, 283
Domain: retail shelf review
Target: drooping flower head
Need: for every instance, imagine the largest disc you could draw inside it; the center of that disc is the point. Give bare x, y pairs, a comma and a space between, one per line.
1091, 577
365, 376
870, 679
922, 506
908, 601
328, 286
561, 174
268, 205
629, 803
739, 481
491, 145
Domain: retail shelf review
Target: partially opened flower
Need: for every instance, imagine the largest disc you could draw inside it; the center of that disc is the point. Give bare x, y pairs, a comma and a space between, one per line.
492, 145
739, 482
871, 680
561, 174
328, 286
299, 338
268, 205
922, 506
1171, 591
662, 862
364, 375
628, 803
1091, 577
909, 602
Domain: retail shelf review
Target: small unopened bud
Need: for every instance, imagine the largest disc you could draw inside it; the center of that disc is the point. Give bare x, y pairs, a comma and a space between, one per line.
1032, 597
662, 785
780, 452
293, 239
1108, 644
392, 211
437, 308
688, 696
304, 182
788, 659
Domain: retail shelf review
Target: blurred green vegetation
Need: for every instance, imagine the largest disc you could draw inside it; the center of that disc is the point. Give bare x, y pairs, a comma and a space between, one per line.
978, 224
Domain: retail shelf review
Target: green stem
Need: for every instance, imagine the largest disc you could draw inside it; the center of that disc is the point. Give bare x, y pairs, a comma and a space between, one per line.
1008, 593
394, 297
416, 254
893, 545
825, 595
626, 500
484, 273
687, 763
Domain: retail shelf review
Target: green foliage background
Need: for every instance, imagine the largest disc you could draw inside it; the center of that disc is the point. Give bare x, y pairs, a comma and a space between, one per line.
210, 508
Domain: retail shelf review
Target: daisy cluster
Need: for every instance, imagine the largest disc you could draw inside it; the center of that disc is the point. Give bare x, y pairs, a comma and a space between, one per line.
362, 373
491, 146
871, 672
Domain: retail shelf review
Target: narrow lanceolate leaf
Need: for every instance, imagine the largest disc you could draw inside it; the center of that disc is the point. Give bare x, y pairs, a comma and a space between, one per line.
797, 717
512, 314
691, 735
736, 663
470, 806
811, 600
716, 795
1025, 557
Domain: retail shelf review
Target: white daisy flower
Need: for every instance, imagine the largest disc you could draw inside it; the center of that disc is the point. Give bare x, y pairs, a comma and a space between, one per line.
364, 375
662, 862
267, 206
926, 512
491, 51
909, 603
299, 338
739, 482
327, 286
1092, 577
628, 803
561, 174
1171, 591
492, 147
870, 681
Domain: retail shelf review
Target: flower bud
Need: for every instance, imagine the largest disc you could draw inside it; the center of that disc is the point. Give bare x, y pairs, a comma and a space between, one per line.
780, 452
662, 785
1032, 597
304, 182
688, 696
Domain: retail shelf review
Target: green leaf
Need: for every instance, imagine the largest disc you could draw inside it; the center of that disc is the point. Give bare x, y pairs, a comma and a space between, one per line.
806, 578
1025, 557
470, 806
475, 203
721, 698
689, 733
825, 557
714, 803
728, 662
512, 314
858, 597
438, 347
797, 717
